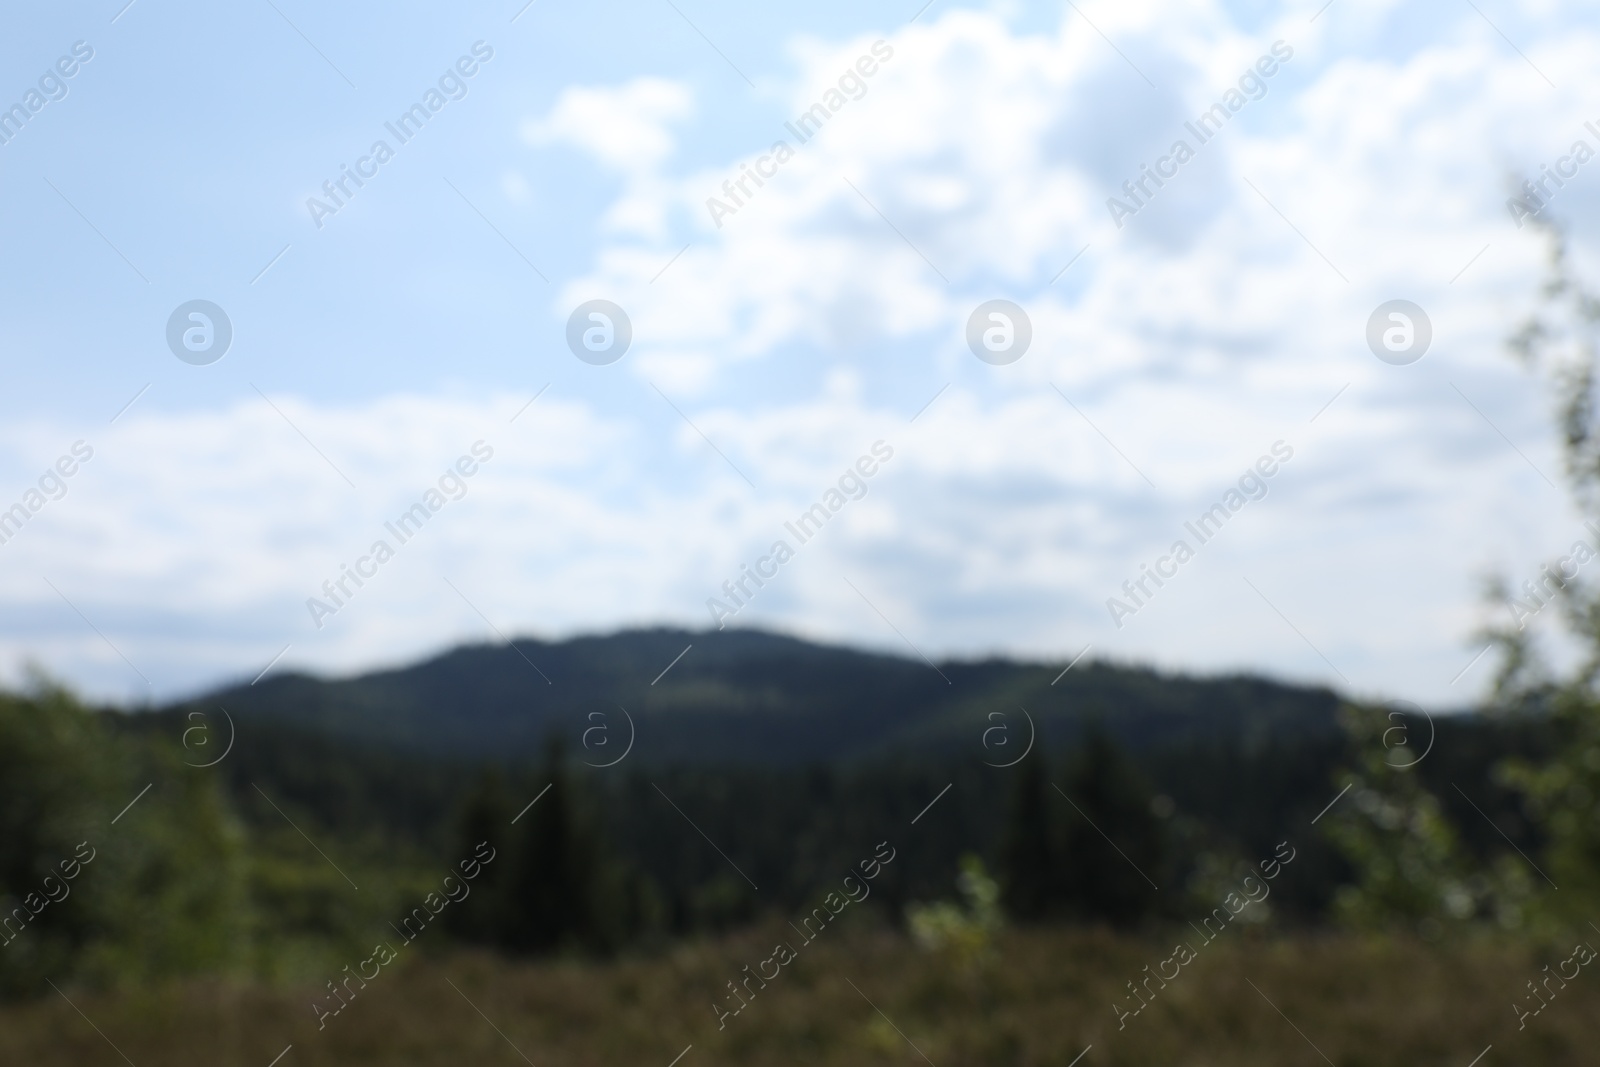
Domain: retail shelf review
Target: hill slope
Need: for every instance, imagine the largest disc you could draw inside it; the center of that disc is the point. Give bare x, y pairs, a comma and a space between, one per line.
748, 696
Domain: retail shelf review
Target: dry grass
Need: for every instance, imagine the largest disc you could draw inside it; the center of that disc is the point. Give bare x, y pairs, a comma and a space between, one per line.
1363, 1003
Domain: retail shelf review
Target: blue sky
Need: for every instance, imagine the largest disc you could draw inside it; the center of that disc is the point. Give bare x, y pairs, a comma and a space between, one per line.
771, 352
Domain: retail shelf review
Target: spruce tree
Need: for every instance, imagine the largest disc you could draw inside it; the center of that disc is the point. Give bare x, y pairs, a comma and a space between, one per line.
556, 897
1029, 873
1111, 844
486, 817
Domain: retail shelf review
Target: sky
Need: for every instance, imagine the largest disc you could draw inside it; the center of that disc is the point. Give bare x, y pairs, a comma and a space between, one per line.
384, 338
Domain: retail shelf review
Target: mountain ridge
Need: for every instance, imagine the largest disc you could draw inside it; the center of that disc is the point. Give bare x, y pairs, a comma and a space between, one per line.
754, 696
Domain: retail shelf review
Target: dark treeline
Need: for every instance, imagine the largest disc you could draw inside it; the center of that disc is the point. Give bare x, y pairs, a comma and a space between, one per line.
295, 850
615, 852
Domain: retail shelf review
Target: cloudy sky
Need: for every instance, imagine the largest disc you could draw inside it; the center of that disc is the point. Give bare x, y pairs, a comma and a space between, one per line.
377, 337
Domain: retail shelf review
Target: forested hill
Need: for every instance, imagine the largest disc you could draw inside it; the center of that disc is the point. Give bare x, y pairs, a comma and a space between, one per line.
752, 697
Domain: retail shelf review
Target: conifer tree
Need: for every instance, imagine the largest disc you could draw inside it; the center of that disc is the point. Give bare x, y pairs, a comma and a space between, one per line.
558, 895
1029, 872
486, 817
1112, 844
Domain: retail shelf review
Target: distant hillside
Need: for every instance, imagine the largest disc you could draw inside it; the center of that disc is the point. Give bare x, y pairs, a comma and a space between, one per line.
787, 754
751, 697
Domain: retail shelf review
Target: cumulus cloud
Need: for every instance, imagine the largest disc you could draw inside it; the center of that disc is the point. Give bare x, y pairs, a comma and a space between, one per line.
628, 130
625, 127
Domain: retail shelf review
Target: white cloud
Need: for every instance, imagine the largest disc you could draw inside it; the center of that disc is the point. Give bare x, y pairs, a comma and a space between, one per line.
628, 130
625, 127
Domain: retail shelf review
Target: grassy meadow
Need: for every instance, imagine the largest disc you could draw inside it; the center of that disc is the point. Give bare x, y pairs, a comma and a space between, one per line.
1040, 999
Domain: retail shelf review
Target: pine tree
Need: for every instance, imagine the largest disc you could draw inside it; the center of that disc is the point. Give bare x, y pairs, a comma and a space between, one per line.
1112, 844
556, 897
1029, 874
486, 817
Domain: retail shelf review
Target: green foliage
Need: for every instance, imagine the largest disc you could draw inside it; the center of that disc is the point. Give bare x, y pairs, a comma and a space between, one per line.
1564, 799
1412, 872
176, 881
171, 876
1562, 792
162, 890
55, 780
963, 935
